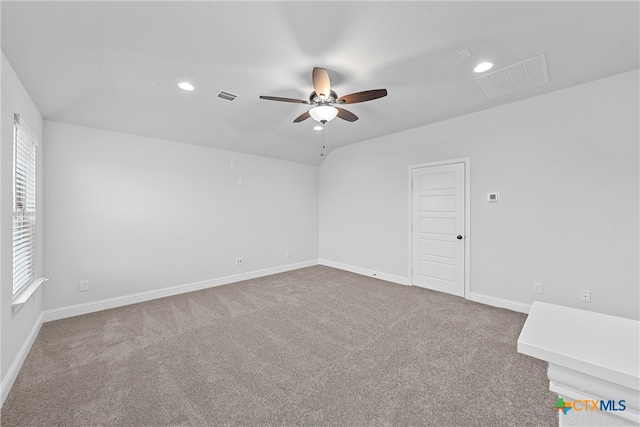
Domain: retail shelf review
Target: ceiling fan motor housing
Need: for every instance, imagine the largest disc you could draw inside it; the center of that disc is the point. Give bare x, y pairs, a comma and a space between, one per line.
314, 98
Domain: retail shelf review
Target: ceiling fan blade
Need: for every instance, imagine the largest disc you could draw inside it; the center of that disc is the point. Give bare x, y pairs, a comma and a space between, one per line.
277, 98
301, 117
366, 95
321, 82
346, 115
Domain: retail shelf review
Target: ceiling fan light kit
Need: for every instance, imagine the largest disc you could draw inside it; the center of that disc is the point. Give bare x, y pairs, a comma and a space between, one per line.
324, 100
323, 113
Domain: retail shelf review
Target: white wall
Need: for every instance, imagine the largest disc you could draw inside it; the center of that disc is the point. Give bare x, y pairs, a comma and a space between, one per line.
132, 214
16, 328
566, 165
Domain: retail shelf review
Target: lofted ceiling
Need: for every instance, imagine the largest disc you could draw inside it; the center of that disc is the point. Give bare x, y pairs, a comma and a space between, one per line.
116, 65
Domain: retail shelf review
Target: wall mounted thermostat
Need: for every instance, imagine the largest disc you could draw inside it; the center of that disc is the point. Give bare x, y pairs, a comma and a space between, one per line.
493, 197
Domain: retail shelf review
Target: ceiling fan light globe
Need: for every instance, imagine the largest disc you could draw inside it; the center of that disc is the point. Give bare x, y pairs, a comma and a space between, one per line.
324, 113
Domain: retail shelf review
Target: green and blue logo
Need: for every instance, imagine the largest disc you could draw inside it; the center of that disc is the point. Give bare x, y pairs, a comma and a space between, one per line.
590, 405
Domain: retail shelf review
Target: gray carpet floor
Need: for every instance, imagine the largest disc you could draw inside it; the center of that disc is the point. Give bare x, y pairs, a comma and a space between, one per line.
311, 347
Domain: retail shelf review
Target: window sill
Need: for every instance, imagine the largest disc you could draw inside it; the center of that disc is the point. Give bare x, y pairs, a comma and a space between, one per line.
20, 299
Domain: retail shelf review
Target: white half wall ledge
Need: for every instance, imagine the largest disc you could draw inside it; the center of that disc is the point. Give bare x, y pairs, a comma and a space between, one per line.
592, 356
121, 301
400, 280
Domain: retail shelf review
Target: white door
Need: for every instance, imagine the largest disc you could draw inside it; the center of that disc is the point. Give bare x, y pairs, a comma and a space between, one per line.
438, 235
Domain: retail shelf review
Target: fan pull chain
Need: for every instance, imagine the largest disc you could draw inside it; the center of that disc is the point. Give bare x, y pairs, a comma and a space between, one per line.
322, 140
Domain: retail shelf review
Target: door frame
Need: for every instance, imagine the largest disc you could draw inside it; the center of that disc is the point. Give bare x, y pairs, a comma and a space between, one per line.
467, 218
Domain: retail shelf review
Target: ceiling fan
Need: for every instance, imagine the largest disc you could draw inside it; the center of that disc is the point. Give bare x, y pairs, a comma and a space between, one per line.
325, 101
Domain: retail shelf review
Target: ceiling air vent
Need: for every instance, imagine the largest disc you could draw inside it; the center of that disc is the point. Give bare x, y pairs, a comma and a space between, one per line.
523, 75
225, 96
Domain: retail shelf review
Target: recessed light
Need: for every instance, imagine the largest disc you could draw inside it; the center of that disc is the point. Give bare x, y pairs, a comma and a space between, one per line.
482, 67
186, 86
317, 127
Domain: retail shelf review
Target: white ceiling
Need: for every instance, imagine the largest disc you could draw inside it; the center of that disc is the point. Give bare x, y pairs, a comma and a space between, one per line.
86, 63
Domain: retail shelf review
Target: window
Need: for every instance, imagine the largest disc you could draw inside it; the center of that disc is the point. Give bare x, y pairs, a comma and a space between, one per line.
24, 205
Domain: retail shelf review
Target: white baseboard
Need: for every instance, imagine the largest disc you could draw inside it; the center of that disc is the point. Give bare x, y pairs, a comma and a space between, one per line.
366, 272
500, 302
14, 369
483, 299
91, 307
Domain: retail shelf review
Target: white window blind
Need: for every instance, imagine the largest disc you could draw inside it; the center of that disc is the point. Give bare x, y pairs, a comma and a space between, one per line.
24, 205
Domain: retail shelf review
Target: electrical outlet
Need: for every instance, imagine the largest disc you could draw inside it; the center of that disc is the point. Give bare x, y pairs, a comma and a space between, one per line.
287, 254
392, 262
239, 261
84, 285
537, 288
585, 296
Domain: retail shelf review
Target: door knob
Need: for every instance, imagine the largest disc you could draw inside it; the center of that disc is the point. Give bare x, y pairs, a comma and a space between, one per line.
459, 237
